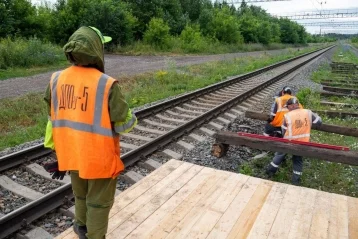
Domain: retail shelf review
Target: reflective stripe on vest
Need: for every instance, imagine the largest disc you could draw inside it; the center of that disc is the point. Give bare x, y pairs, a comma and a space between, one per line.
54, 91
299, 124
94, 128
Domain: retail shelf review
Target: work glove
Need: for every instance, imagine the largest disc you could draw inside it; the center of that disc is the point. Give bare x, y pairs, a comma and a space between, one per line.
52, 168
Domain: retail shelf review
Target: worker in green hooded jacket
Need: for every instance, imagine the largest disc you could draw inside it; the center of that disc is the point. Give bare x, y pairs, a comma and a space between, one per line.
87, 112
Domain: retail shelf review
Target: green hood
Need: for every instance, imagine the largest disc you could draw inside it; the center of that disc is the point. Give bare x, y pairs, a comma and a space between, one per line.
85, 48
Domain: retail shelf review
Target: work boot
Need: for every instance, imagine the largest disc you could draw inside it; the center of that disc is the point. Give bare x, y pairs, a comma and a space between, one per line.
296, 179
80, 231
270, 171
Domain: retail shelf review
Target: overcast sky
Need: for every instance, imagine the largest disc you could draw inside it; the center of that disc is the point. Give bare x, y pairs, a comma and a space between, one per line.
292, 6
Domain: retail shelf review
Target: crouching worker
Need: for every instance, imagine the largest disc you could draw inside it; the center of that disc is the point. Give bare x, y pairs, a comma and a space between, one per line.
87, 113
296, 125
278, 110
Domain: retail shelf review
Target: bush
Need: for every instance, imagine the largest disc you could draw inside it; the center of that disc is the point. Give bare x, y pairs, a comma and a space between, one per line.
309, 98
157, 33
226, 27
192, 40
26, 53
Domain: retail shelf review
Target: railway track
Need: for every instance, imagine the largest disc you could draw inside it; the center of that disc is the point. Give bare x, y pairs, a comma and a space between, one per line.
170, 128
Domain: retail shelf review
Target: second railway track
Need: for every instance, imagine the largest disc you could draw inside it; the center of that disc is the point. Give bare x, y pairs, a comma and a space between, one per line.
177, 123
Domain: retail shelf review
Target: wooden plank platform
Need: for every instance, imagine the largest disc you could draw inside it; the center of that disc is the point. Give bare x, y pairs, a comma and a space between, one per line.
183, 200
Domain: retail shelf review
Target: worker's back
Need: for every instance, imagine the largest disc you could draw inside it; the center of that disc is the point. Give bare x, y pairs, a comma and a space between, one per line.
82, 130
299, 124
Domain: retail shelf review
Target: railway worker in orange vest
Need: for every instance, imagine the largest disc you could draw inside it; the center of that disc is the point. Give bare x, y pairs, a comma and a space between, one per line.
278, 110
296, 125
87, 112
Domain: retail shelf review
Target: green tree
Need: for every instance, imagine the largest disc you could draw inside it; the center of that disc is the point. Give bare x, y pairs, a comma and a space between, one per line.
302, 35
225, 26
276, 32
249, 28
44, 16
289, 32
18, 17
144, 11
67, 18
174, 16
205, 19
193, 8
111, 17
6, 19
264, 32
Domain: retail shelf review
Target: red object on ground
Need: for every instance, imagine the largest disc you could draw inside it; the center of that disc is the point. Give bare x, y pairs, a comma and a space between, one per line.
326, 146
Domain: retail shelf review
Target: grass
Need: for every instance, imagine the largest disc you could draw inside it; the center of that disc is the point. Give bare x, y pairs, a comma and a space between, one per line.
345, 99
207, 47
23, 72
344, 54
151, 87
22, 119
317, 174
322, 74
30, 123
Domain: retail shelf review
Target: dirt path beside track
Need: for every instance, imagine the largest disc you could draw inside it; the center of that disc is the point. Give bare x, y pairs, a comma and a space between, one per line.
118, 66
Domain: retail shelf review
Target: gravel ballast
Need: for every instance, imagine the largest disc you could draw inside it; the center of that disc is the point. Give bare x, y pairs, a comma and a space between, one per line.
237, 155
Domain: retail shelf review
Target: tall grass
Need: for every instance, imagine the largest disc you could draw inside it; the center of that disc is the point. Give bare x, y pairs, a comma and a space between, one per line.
28, 53
197, 46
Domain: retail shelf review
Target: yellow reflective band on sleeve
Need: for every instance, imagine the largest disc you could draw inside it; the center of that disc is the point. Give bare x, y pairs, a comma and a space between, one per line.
128, 125
48, 143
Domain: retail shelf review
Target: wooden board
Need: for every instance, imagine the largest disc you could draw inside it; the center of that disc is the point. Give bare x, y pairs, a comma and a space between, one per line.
183, 200
265, 143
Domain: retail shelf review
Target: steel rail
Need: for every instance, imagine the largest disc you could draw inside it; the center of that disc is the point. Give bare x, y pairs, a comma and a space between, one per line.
37, 151
32, 211
157, 143
19, 157
21, 217
154, 109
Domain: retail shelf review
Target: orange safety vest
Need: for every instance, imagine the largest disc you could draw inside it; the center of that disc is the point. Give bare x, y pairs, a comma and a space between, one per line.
299, 124
82, 131
281, 110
